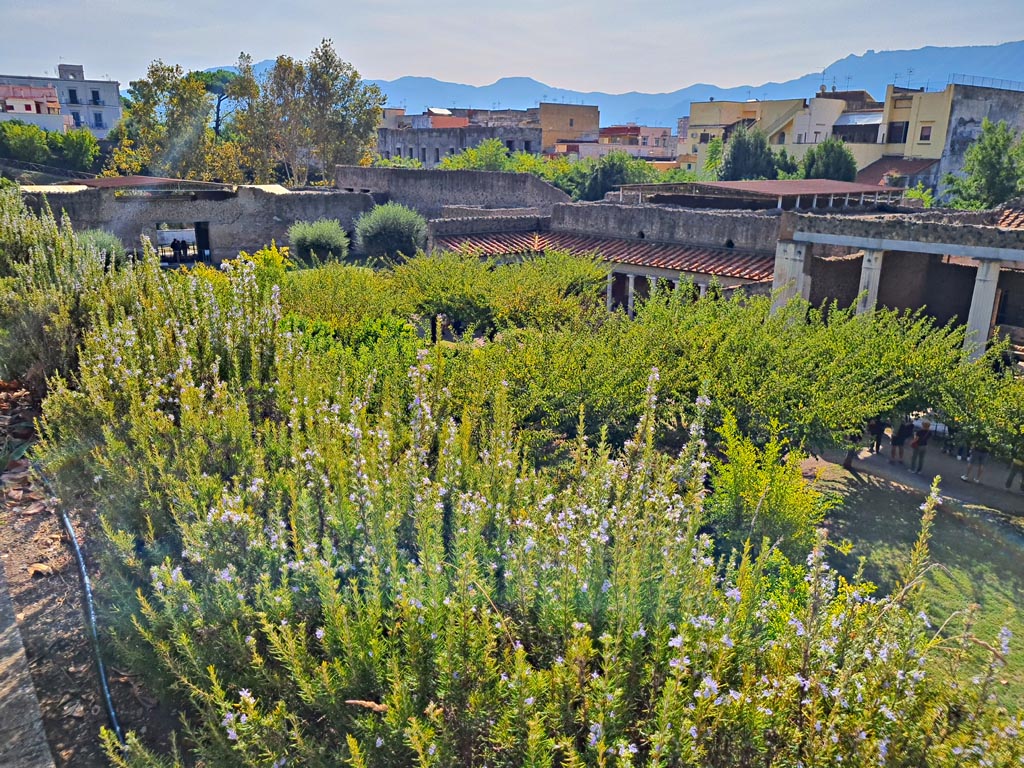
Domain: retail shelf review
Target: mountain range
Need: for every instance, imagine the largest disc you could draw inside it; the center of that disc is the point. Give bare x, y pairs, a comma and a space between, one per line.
929, 67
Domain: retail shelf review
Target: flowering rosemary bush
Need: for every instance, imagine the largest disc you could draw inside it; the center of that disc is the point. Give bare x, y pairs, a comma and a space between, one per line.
339, 547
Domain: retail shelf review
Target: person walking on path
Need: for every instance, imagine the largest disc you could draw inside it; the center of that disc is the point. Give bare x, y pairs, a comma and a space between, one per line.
900, 435
876, 427
919, 447
976, 463
1016, 467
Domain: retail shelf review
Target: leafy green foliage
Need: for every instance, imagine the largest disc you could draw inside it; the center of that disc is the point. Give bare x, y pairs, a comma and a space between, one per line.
830, 160
106, 243
391, 230
592, 179
993, 169
748, 156
318, 241
396, 162
330, 539
20, 141
922, 193
760, 494
489, 155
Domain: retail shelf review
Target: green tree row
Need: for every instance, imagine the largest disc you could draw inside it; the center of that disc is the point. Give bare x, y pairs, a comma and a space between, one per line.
300, 116
333, 544
74, 150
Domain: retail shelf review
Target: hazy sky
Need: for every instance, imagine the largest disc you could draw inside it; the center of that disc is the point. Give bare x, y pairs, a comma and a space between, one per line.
658, 45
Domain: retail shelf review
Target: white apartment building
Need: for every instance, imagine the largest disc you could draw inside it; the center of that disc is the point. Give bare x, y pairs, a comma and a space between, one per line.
92, 104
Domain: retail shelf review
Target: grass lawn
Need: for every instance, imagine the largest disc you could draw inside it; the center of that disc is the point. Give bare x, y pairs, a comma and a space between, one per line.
982, 559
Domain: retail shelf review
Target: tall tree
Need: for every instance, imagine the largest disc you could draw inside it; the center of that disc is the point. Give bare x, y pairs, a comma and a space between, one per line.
341, 109
748, 156
993, 169
831, 159
164, 130
218, 85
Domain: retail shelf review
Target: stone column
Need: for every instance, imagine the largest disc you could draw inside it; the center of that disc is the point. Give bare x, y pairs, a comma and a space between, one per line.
629, 294
789, 279
983, 302
608, 291
870, 273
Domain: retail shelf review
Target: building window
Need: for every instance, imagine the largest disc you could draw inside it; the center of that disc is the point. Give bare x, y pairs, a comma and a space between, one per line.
77, 118
705, 138
510, 145
926, 133
898, 132
72, 95
643, 141
97, 120
96, 98
451, 150
437, 154
410, 153
527, 146
387, 155
423, 155
28, 107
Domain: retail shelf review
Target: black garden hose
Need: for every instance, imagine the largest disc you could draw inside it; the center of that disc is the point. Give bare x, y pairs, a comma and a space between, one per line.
90, 610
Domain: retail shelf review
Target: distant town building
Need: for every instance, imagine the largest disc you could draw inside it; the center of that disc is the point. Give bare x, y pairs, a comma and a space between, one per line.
34, 105
431, 145
640, 141
914, 135
92, 104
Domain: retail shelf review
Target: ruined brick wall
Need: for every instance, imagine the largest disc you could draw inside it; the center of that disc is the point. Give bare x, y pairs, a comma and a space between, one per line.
746, 230
247, 221
834, 279
476, 211
430, 191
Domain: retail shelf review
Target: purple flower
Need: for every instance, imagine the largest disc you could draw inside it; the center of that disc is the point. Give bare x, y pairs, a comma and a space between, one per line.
232, 735
320, 633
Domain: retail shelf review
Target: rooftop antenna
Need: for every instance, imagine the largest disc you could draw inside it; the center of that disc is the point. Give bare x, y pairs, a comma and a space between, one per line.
910, 71
848, 79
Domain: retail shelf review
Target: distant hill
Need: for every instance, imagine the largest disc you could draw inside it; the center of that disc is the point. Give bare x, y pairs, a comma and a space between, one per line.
871, 71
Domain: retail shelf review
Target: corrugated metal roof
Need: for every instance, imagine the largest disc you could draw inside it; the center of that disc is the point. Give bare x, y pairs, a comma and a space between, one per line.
116, 182
860, 118
790, 187
724, 262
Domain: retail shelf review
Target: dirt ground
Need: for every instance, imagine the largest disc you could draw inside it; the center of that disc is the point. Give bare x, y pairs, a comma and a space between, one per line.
44, 585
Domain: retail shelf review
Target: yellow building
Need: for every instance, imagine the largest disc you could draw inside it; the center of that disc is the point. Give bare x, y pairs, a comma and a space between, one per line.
566, 123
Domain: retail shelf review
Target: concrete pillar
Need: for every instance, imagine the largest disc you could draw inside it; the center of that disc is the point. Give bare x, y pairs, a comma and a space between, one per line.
608, 291
870, 273
629, 294
702, 289
983, 303
789, 279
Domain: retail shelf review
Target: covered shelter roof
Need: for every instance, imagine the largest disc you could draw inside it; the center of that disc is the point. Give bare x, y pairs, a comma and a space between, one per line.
875, 173
724, 262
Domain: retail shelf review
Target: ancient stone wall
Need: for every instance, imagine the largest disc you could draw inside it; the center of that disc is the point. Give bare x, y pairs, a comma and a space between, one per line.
747, 230
430, 191
478, 212
245, 221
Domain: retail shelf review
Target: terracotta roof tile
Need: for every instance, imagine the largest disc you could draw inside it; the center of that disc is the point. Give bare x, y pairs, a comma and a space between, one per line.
1012, 218
874, 173
725, 262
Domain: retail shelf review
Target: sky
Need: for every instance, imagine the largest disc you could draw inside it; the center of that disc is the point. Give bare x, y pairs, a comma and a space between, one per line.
597, 45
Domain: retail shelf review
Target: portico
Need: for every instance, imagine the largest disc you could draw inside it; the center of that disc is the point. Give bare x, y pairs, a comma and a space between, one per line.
987, 249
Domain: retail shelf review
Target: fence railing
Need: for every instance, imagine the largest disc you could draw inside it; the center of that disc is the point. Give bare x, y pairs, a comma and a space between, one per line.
986, 82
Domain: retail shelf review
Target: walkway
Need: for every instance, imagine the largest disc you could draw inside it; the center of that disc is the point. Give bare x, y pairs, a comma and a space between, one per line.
22, 738
990, 493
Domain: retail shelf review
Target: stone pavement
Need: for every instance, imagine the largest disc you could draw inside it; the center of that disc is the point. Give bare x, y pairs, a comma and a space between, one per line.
22, 738
991, 492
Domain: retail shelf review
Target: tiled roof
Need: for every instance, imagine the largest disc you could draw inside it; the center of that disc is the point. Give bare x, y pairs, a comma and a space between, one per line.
725, 262
873, 174
1012, 218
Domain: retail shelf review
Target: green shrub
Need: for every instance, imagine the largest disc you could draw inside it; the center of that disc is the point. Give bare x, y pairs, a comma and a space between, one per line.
104, 242
318, 241
391, 230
